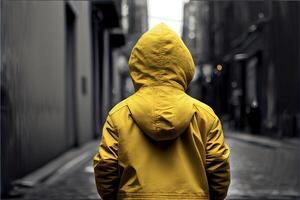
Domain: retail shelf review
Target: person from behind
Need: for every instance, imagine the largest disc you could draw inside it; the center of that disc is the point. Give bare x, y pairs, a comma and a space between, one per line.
160, 143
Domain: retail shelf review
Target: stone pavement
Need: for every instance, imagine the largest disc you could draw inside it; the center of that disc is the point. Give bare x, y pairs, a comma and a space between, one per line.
259, 171
74, 183
264, 169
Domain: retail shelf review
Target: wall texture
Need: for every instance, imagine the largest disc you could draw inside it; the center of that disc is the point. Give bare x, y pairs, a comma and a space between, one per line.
83, 69
33, 83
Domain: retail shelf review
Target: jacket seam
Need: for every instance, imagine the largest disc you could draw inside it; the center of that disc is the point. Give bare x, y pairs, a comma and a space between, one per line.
114, 110
115, 129
132, 194
196, 106
163, 83
212, 124
206, 140
156, 116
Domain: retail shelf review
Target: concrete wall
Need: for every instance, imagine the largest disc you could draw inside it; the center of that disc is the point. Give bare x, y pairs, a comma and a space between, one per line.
33, 83
33, 73
83, 69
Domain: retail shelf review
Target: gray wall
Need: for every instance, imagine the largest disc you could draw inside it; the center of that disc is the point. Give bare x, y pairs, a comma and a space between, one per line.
84, 69
33, 79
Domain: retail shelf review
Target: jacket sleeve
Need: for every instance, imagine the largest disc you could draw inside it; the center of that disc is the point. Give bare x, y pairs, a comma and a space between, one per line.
217, 162
106, 162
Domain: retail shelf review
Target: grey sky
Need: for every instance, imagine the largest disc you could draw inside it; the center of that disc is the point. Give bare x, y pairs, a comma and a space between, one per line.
167, 11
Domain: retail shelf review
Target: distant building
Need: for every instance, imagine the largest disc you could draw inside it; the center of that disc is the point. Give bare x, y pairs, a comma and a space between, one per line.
197, 36
134, 23
196, 29
254, 51
261, 49
107, 35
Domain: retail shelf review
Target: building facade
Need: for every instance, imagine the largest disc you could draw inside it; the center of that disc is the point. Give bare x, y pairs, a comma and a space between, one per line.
261, 46
255, 58
134, 23
196, 34
53, 79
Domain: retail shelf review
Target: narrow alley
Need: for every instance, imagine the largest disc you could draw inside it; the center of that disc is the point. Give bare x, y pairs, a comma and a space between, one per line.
65, 65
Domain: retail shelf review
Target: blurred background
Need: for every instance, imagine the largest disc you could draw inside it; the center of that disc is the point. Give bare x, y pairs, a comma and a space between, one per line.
64, 66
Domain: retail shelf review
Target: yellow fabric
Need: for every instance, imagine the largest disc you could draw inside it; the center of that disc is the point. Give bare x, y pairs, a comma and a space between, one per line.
160, 143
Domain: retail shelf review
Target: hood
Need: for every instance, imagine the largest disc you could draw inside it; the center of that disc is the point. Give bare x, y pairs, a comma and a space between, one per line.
161, 67
160, 57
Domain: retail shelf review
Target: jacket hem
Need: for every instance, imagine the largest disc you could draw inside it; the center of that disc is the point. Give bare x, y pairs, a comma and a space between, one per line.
182, 196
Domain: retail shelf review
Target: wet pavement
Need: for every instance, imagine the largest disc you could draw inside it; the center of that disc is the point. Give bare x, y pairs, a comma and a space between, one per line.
264, 171
259, 171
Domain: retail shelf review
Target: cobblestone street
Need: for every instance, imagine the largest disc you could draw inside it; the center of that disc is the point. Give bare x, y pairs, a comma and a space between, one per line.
260, 170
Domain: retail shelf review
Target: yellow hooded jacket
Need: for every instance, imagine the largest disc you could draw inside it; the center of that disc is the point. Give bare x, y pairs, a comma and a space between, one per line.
160, 143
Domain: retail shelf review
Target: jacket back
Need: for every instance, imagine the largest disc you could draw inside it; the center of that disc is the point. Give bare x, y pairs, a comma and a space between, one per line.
160, 143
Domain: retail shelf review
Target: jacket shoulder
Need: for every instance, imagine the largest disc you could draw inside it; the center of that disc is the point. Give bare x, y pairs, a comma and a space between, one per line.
204, 108
119, 106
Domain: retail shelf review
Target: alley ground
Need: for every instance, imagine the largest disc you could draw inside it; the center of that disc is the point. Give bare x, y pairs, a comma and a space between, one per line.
261, 169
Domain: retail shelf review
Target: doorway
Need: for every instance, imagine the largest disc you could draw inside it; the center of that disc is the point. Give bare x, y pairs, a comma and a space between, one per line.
71, 111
